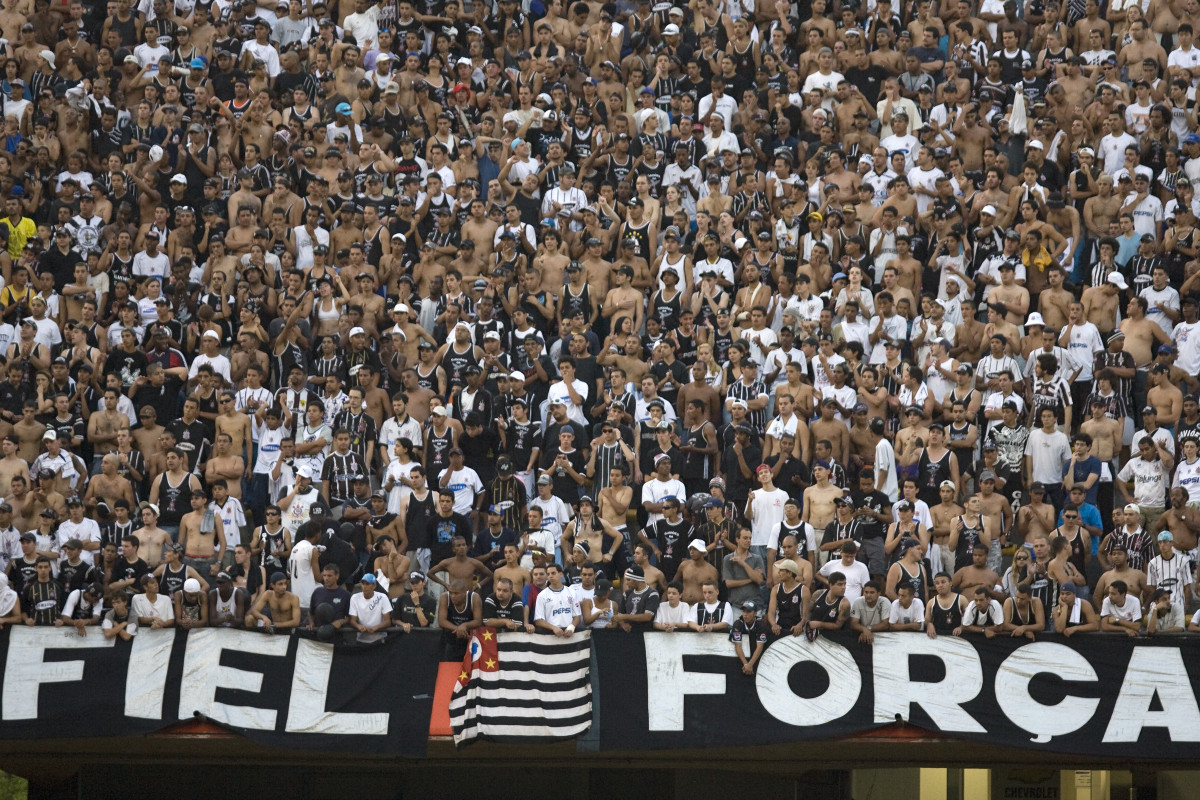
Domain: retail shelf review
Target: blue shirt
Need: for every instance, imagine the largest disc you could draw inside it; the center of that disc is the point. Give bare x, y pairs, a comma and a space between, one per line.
1089, 466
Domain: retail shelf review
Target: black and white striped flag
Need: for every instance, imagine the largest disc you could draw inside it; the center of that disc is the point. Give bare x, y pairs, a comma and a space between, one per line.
522, 687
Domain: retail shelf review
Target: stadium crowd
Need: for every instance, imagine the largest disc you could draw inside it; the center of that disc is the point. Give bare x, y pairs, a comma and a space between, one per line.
552, 315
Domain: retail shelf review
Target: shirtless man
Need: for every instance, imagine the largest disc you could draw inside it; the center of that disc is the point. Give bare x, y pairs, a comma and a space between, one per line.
393, 563
226, 463
943, 516
512, 570
819, 508
151, 538
276, 609
977, 574
1135, 579
1142, 336
12, 465
1054, 302
828, 428
202, 549
1102, 208
655, 578
461, 567
615, 499
235, 424
1183, 522
1035, 517
107, 485
695, 572
103, 425
994, 507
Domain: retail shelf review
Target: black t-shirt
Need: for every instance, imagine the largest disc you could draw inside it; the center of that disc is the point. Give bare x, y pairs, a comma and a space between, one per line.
442, 531
869, 527
672, 539
407, 610
125, 570
338, 599
514, 610
489, 548
750, 635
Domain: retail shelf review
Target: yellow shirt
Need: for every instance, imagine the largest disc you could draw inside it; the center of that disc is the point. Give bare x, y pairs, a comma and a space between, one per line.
18, 234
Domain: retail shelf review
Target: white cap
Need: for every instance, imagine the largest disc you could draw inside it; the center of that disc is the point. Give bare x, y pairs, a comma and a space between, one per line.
671, 30
492, 335
1036, 144
988, 210
1034, 319
399, 236
211, 335
178, 177
50, 434
355, 331
1118, 280
516, 376
49, 56
305, 471
698, 544
191, 586
400, 307
156, 153
440, 411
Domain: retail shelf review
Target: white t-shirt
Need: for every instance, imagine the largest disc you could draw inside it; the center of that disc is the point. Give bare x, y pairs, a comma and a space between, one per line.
161, 608
768, 513
85, 531
898, 615
304, 582
558, 608
465, 484
1131, 611
655, 491
370, 612
680, 615
885, 459
856, 574
1187, 342
1149, 481
993, 616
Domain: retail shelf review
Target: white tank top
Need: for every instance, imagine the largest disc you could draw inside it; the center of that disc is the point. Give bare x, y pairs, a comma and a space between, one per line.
677, 268
226, 607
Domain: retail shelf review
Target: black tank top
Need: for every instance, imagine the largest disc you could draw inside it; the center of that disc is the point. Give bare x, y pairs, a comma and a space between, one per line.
1077, 552
968, 539
823, 610
667, 311
428, 380
1024, 618
790, 606
172, 580
695, 466
721, 344
271, 542
455, 364
917, 582
174, 501
121, 268
458, 616
416, 521
640, 234
439, 450
686, 351
945, 620
581, 304
930, 475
